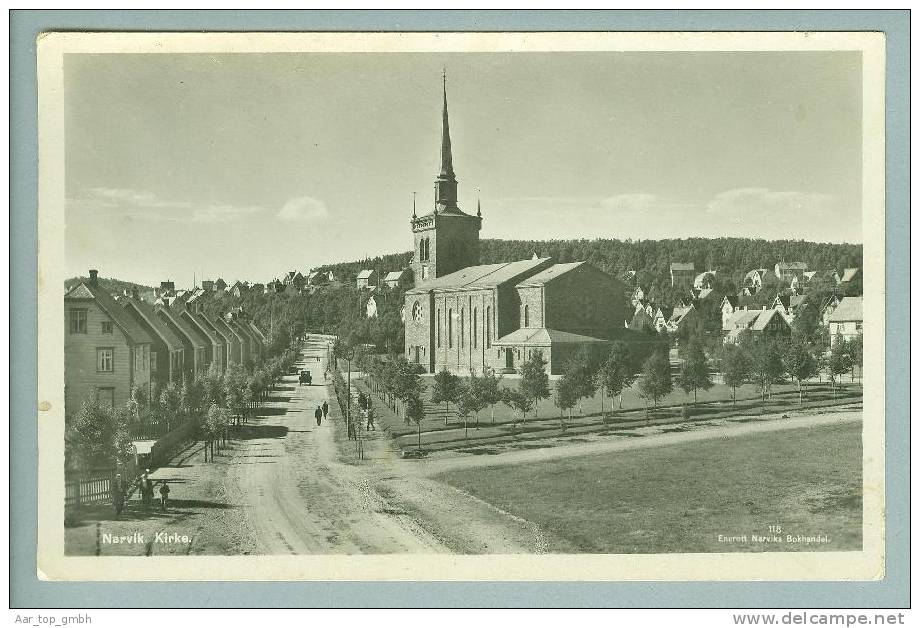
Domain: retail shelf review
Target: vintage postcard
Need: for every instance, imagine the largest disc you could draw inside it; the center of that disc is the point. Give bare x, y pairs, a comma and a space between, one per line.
461, 306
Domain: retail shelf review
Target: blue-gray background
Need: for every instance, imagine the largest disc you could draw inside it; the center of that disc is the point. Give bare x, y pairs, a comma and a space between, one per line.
27, 591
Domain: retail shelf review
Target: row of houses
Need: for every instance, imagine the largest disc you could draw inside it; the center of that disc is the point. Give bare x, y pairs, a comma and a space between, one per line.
114, 343
843, 317
792, 275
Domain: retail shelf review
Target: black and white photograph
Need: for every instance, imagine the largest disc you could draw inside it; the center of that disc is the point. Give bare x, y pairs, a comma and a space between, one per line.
553, 306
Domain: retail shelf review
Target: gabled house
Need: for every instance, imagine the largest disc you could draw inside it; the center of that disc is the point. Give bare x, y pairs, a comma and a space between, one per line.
851, 282
207, 285
196, 349
683, 320
398, 279
753, 280
846, 322
767, 322
367, 278
787, 271
106, 352
661, 317
827, 308
274, 286
167, 353
734, 303
239, 289
821, 281
682, 275
215, 344
220, 285
316, 278
705, 280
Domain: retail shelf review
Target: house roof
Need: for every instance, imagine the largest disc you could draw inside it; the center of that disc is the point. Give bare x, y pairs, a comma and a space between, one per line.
704, 293
258, 332
678, 314
849, 274
147, 312
395, 275
548, 274
682, 266
365, 274
213, 327
201, 326
483, 276
132, 330
184, 326
764, 317
665, 311
850, 309
742, 319
543, 337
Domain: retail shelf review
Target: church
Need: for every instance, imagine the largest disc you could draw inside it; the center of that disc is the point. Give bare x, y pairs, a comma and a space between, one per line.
465, 316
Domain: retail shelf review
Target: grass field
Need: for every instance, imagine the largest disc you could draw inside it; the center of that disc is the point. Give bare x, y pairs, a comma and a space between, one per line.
680, 498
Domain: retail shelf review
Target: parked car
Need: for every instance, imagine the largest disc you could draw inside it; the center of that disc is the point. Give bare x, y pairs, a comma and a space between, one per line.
306, 378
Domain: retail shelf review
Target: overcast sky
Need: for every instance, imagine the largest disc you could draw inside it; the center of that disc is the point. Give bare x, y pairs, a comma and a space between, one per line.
245, 166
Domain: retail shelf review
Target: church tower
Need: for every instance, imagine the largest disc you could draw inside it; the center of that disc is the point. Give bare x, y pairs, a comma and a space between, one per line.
446, 239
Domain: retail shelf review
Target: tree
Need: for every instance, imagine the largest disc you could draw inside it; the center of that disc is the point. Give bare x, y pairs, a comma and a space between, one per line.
616, 372
519, 403
736, 367
840, 360
445, 390
855, 345
467, 403
475, 395
766, 364
99, 436
564, 398
800, 362
170, 405
491, 390
534, 380
694, 372
656, 378
581, 373
415, 412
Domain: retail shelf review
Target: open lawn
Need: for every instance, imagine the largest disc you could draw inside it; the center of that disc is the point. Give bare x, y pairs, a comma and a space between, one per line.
680, 498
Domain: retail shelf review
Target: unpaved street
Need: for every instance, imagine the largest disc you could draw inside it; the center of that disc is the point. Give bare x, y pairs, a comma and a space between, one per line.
287, 486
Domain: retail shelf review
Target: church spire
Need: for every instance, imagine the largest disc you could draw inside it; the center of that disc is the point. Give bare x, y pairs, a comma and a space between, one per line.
445, 185
447, 162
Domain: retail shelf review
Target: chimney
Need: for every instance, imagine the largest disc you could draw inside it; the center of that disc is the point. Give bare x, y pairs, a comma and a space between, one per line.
93, 276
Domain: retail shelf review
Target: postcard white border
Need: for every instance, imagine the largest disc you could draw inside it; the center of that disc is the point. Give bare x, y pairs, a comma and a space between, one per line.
867, 564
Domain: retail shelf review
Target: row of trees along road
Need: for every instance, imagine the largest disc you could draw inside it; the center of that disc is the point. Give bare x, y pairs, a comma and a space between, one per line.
100, 436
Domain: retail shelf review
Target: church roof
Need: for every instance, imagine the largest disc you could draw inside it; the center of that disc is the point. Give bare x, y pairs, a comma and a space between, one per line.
547, 275
543, 337
483, 276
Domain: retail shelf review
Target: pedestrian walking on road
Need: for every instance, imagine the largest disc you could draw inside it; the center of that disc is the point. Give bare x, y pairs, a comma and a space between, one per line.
118, 494
370, 419
164, 496
325, 409
319, 415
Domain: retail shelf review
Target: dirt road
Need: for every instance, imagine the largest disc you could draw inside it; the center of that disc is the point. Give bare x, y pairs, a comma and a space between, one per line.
299, 498
287, 486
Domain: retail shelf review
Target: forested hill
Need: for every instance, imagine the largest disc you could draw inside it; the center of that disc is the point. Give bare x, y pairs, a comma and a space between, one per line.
731, 256
109, 284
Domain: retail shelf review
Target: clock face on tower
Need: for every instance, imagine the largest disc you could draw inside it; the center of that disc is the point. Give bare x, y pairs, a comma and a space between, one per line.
417, 313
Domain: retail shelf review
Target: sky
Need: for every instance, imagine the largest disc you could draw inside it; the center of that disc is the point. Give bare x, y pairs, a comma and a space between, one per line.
183, 166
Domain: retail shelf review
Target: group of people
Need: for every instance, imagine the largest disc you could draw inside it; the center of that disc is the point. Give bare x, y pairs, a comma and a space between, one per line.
145, 486
321, 413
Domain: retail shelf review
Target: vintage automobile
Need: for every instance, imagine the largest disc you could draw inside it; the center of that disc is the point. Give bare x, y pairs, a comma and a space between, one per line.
306, 378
